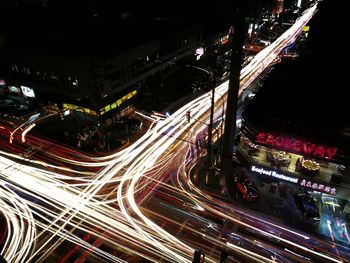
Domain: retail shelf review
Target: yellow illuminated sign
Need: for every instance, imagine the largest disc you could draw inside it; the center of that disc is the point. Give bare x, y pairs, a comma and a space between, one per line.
67, 106
118, 102
306, 30
103, 110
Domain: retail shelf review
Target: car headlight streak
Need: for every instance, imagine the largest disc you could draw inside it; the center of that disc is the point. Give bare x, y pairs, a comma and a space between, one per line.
77, 199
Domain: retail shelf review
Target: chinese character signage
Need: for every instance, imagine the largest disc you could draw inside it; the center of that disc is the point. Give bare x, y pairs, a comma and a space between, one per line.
318, 187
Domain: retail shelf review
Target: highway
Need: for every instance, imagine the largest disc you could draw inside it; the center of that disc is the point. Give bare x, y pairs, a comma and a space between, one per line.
60, 205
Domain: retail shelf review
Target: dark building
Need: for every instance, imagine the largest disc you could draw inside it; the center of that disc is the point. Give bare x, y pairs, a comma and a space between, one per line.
96, 55
93, 63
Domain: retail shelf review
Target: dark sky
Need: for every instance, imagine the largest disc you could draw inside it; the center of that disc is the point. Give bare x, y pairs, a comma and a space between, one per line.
79, 11
86, 23
313, 91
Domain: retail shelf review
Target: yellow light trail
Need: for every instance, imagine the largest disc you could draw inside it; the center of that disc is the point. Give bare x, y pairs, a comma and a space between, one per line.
127, 169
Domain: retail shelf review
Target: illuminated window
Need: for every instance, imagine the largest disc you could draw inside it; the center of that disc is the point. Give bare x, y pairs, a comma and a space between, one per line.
68, 106
118, 102
75, 81
108, 108
306, 28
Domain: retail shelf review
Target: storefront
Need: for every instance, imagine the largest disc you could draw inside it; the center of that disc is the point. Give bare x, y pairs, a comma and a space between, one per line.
15, 99
309, 165
295, 136
287, 167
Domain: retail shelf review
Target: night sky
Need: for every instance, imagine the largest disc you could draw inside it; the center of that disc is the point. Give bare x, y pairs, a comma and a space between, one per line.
312, 93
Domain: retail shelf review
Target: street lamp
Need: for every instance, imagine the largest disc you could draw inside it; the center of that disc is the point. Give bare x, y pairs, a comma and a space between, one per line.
212, 83
210, 128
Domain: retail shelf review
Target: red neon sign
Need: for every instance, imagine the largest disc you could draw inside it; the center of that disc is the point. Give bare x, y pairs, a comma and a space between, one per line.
296, 145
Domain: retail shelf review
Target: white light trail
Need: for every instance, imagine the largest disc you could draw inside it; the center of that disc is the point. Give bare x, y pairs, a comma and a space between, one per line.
129, 170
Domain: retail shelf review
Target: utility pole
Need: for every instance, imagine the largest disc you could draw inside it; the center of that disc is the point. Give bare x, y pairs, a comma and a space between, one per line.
232, 95
127, 132
221, 131
212, 82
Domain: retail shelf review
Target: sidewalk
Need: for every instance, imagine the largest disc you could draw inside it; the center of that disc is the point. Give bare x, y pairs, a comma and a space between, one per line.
262, 207
276, 201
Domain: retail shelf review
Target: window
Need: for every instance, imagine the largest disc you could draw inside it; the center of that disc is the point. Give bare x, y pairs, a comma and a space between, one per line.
14, 67
115, 75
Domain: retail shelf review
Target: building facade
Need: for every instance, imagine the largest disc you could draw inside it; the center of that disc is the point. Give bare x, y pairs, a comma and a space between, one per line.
306, 163
95, 83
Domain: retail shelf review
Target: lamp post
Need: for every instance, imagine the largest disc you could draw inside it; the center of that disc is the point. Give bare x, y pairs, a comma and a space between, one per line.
127, 132
210, 132
210, 126
210, 129
221, 129
209, 160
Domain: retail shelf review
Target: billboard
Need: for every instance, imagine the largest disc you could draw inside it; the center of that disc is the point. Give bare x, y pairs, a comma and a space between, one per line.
28, 92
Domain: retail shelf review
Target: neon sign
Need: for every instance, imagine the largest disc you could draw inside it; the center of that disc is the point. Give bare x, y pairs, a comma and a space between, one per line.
28, 92
274, 174
318, 187
302, 182
296, 145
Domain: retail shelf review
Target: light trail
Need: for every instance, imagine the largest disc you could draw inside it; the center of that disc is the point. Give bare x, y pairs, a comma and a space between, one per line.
129, 170
20, 226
